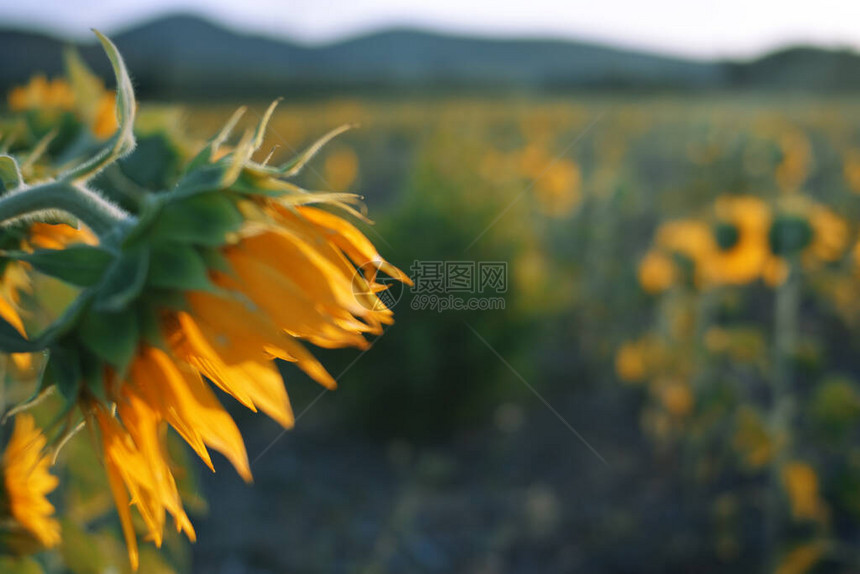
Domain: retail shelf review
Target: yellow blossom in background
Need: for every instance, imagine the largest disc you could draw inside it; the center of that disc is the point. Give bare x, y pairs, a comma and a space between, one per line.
801, 484
533, 159
813, 231
741, 229
688, 237
28, 523
802, 559
42, 94
98, 110
558, 189
103, 121
851, 169
630, 362
830, 234
751, 439
657, 272
676, 397
797, 160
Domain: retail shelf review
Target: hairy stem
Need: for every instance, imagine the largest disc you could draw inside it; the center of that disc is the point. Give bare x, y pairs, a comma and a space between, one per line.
98, 214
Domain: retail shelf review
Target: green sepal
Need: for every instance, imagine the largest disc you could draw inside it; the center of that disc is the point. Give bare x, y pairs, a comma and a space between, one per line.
123, 281
204, 179
204, 220
81, 265
178, 266
64, 370
150, 325
10, 174
113, 336
150, 211
215, 260
11, 341
166, 299
153, 163
205, 155
295, 165
93, 376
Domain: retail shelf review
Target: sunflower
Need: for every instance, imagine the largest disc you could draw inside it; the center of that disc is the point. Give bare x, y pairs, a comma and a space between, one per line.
657, 272
741, 235
28, 524
199, 285
808, 231
84, 95
288, 277
42, 94
207, 285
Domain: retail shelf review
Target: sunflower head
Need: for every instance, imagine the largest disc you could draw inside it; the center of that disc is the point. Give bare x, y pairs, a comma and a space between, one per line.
807, 233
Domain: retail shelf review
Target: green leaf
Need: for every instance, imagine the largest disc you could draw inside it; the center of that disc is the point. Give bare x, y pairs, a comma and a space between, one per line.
154, 162
123, 281
203, 219
11, 341
125, 101
81, 265
178, 266
64, 369
150, 325
93, 375
113, 336
10, 174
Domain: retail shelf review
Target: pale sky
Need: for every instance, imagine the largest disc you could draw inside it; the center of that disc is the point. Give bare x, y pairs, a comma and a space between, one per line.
733, 28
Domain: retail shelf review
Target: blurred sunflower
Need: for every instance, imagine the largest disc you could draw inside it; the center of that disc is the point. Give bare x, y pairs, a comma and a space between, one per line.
42, 94
806, 230
730, 249
740, 232
657, 272
851, 169
83, 95
26, 521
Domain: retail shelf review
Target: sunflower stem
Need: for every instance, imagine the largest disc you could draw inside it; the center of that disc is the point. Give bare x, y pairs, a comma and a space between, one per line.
89, 207
786, 317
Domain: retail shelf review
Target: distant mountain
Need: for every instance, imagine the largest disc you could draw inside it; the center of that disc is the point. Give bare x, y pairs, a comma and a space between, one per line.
185, 56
